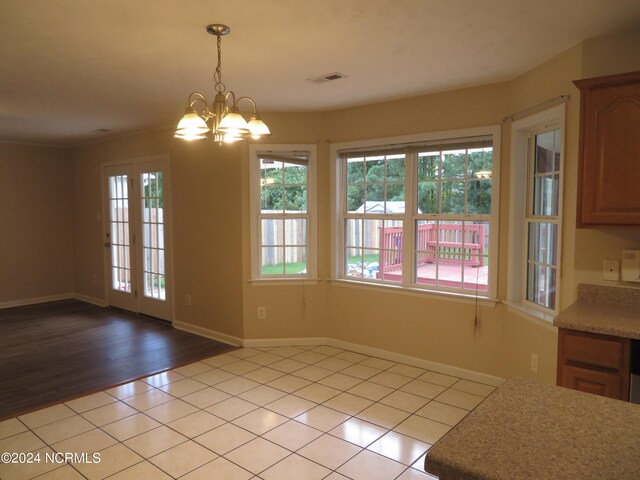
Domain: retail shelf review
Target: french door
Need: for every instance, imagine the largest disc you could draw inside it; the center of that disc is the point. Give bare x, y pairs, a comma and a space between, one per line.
137, 237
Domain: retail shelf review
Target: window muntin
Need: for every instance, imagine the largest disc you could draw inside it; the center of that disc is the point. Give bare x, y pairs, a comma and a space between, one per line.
283, 213
439, 195
542, 219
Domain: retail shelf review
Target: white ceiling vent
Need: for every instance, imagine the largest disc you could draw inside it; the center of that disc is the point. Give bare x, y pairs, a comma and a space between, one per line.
329, 77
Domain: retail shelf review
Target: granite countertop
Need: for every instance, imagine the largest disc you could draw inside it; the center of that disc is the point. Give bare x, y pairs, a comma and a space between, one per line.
604, 310
530, 430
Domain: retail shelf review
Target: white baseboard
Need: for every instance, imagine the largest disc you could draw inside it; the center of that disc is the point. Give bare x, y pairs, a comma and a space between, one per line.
34, 300
92, 300
283, 342
208, 333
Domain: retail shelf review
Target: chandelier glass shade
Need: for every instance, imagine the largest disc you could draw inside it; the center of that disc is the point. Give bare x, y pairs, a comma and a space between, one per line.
223, 118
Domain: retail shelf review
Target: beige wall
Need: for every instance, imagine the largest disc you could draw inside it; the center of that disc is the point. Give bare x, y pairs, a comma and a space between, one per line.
211, 226
36, 223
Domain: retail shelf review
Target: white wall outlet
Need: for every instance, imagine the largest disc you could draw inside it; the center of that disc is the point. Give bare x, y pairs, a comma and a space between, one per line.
187, 300
262, 313
534, 362
611, 270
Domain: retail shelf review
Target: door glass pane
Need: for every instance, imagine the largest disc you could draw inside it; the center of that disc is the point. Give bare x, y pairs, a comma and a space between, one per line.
119, 232
153, 268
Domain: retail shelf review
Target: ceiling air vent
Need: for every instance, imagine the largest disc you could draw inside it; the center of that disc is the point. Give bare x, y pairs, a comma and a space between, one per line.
327, 77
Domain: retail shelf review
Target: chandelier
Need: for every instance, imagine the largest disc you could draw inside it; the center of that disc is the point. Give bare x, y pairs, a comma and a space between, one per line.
227, 124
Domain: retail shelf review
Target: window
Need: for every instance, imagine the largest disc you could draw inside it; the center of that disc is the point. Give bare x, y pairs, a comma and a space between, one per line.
283, 212
419, 214
536, 218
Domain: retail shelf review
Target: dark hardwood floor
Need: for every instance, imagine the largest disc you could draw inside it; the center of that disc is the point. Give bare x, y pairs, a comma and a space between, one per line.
56, 351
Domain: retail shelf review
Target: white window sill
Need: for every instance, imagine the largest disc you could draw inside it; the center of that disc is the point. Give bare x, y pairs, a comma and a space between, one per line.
531, 313
417, 292
261, 282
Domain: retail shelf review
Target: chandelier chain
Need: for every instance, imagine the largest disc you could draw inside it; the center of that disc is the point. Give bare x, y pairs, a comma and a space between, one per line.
217, 77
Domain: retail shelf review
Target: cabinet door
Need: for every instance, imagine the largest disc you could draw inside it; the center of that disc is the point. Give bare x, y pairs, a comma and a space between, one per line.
592, 381
609, 192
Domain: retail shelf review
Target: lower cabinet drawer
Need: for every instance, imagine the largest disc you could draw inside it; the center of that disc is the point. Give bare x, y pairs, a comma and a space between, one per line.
591, 350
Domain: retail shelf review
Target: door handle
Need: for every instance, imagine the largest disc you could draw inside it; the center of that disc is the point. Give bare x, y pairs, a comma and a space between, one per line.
107, 244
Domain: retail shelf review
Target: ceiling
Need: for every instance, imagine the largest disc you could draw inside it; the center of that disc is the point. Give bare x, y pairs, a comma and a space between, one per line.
71, 68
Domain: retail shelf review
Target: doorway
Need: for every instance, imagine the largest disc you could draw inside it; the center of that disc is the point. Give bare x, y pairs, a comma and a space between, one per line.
137, 236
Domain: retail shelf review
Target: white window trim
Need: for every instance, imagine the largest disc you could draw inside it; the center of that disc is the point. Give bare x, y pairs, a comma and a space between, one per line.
518, 182
311, 277
337, 200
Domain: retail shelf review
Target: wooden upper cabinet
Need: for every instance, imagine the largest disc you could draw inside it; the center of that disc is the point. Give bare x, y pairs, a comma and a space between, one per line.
609, 166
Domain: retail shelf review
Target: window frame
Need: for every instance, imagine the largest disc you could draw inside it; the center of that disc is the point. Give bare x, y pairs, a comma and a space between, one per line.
256, 215
411, 215
523, 132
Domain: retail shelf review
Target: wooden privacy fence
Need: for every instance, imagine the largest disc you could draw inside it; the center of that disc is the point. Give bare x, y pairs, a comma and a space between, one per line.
294, 236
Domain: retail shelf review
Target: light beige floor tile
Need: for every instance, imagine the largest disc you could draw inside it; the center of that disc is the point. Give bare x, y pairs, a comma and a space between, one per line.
141, 471
336, 476
219, 469
65, 472
240, 367
231, 408
170, 411
358, 432
182, 388
183, 458
90, 402
383, 415
129, 389
146, 400
399, 447
389, 379
423, 429
237, 385
63, 429
473, 387
322, 418
257, 455
192, 369
260, 421
290, 406
46, 415
287, 365
312, 373
413, 474
265, 359
333, 364
423, 389
468, 401
245, 352
309, 357
348, 403
340, 381
327, 350
295, 467
329, 451
317, 393
419, 464
378, 363
407, 370
292, 435
162, 378
404, 401
213, 377
286, 351
438, 378
262, 395
155, 441
289, 383
220, 360
351, 356
263, 375
224, 438
130, 426
206, 397
112, 460
37, 465
371, 466
371, 391
196, 424
90, 442
442, 412
109, 413
363, 372
11, 427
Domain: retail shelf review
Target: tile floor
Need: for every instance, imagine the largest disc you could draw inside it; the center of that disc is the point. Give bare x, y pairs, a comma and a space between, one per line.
297, 412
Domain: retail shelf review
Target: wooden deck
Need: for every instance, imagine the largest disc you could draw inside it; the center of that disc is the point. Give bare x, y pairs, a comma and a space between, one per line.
448, 276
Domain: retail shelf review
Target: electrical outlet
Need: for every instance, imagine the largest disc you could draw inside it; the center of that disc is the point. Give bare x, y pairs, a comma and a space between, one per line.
611, 270
262, 313
187, 300
534, 362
